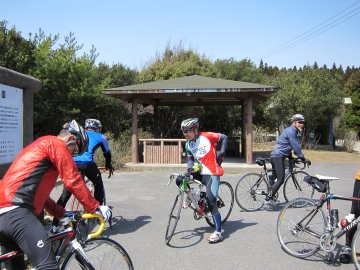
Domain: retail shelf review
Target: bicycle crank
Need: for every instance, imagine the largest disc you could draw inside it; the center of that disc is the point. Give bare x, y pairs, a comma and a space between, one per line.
327, 242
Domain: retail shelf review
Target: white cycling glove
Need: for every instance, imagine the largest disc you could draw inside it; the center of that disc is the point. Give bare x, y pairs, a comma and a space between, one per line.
105, 211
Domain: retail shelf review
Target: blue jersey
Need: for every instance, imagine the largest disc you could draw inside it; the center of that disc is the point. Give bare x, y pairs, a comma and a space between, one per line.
96, 140
287, 141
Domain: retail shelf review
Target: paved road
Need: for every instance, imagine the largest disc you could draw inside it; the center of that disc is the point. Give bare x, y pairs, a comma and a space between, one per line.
142, 203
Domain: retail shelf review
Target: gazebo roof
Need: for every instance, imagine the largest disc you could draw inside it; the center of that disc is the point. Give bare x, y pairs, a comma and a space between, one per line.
192, 90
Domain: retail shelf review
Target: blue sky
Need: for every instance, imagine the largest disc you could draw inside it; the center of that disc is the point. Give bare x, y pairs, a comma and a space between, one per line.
283, 33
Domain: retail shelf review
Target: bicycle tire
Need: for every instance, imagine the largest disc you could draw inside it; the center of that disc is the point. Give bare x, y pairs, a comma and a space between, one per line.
251, 191
296, 187
174, 217
103, 253
355, 249
296, 239
225, 203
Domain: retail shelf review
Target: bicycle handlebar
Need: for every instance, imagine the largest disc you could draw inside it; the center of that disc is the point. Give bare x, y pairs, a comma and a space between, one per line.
101, 227
111, 170
186, 175
74, 216
305, 162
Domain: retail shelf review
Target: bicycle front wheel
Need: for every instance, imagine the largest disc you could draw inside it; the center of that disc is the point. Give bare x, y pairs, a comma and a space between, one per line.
296, 187
251, 191
224, 201
299, 227
103, 253
174, 217
355, 249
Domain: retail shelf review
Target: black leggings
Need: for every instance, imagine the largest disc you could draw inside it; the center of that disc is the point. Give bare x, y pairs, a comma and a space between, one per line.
92, 172
19, 228
355, 209
278, 165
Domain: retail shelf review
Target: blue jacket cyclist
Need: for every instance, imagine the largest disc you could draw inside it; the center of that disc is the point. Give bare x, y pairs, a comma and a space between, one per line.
287, 142
86, 164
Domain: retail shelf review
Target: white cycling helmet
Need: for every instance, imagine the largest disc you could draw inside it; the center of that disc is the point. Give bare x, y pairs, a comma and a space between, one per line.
93, 123
190, 124
81, 138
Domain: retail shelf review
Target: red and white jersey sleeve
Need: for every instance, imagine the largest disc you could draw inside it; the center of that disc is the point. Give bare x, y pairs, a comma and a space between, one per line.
204, 151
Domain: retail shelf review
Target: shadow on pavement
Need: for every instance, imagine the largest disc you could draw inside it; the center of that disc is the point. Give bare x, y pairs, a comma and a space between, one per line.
120, 225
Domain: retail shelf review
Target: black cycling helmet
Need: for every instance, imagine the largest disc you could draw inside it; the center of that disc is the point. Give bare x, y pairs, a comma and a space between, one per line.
93, 123
297, 117
81, 137
190, 124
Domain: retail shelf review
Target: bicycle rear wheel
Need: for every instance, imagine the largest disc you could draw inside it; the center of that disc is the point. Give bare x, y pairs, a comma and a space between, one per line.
251, 191
300, 226
355, 249
174, 217
225, 203
296, 187
103, 253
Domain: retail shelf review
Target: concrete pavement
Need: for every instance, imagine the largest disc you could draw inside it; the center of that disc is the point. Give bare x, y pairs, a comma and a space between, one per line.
142, 203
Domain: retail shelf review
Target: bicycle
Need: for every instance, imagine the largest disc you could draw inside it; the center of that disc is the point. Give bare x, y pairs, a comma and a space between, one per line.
74, 203
303, 228
252, 189
225, 202
76, 249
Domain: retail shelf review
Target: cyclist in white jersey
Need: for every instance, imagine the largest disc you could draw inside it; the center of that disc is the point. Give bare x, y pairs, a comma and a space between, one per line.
200, 146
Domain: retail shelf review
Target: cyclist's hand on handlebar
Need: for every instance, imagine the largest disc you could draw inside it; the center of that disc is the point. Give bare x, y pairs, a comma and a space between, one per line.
110, 169
220, 158
105, 211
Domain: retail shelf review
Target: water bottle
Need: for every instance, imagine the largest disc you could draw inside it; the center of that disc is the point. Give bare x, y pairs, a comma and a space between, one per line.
334, 217
347, 220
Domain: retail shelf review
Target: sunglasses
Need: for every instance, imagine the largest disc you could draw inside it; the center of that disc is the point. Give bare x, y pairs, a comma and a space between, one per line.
187, 131
301, 122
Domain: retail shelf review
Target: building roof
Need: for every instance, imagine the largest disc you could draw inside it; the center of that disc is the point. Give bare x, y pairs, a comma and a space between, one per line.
192, 90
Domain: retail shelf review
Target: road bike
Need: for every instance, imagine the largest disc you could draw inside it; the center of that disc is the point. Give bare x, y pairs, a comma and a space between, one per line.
303, 228
74, 204
75, 248
251, 189
225, 202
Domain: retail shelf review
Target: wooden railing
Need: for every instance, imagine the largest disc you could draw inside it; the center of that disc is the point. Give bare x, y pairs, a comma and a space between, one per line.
162, 151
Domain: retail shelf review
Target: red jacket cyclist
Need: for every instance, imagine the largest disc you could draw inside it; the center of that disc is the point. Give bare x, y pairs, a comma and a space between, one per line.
25, 190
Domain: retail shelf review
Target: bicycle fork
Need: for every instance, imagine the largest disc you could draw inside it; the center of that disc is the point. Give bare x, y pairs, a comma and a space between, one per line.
81, 255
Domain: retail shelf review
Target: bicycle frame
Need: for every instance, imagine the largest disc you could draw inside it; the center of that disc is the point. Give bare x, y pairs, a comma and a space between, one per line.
68, 239
183, 188
326, 199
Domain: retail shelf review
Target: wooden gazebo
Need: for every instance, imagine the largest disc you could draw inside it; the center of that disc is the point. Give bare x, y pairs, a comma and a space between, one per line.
195, 91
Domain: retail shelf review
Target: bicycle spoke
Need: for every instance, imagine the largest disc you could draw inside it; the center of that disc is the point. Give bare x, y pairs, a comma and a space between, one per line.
296, 187
174, 217
250, 192
299, 229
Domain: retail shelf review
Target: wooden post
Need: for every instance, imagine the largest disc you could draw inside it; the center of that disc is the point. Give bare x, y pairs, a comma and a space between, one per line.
179, 153
162, 152
134, 136
249, 131
243, 131
144, 154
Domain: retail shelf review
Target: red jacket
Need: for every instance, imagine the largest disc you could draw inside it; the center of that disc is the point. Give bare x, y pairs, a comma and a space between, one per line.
32, 176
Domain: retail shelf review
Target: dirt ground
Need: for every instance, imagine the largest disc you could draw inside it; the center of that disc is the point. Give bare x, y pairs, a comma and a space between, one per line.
314, 155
